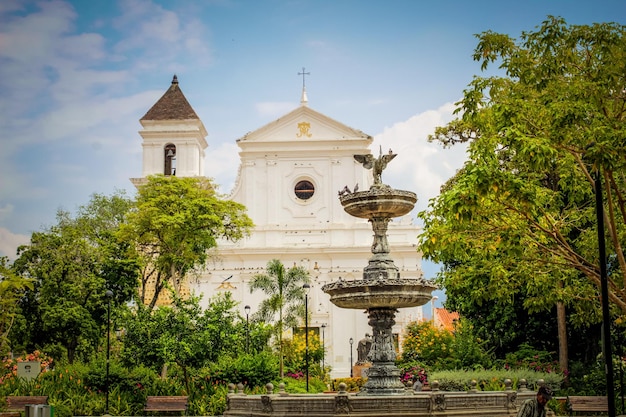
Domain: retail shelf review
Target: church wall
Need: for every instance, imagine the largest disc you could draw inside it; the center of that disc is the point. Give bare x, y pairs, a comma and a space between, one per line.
316, 233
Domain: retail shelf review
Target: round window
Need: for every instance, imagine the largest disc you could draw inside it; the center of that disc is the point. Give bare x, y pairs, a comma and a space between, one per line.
304, 190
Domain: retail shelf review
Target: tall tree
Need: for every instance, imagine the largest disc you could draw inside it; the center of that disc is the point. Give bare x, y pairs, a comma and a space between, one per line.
519, 218
175, 222
284, 303
72, 265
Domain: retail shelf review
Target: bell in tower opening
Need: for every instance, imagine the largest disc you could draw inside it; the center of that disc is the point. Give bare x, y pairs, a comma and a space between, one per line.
170, 160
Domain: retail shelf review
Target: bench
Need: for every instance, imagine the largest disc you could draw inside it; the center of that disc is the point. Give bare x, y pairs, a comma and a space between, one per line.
17, 404
587, 404
168, 404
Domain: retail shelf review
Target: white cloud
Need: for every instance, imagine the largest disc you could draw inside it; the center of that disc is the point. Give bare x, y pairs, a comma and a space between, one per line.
9, 242
274, 109
6, 210
421, 166
222, 166
155, 36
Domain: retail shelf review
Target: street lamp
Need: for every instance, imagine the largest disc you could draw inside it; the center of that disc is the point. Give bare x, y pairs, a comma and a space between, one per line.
351, 370
306, 333
109, 295
323, 346
247, 310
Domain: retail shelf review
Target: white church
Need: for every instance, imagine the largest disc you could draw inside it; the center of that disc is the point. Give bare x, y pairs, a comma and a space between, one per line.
289, 176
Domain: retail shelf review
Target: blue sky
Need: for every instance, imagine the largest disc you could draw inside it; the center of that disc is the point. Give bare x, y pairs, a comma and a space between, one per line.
76, 76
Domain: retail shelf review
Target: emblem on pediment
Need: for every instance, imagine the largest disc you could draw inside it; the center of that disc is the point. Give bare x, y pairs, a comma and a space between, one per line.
303, 130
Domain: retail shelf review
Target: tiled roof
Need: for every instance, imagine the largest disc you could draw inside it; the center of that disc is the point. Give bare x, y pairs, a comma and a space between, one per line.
445, 318
171, 106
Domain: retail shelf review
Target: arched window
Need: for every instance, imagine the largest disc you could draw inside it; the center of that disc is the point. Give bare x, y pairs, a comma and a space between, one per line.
170, 160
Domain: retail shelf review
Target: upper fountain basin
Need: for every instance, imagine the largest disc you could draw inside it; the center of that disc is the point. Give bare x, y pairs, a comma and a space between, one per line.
378, 202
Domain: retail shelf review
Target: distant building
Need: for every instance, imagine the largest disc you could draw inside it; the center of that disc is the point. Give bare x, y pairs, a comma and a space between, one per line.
445, 319
289, 176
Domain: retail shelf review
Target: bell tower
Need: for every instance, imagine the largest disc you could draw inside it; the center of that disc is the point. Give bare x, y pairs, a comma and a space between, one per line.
173, 137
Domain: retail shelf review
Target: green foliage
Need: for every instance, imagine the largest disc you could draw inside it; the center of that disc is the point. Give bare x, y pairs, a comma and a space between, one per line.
294, 351
78, 389
352, 384
493, 380
208, 400
72, 264
428, 344
176, 221
437, 348
469, 350
251, 370
183, 334
12, 288
528, 357
298, 385
518, 221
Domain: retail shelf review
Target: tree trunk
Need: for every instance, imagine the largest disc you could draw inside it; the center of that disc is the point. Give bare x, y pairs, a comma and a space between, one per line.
562, 334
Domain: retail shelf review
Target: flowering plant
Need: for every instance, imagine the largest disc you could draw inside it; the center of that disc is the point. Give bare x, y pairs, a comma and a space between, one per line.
409, 374
295, 375
9, 365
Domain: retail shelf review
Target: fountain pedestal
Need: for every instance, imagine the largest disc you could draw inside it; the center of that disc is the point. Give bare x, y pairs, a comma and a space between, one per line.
383, 377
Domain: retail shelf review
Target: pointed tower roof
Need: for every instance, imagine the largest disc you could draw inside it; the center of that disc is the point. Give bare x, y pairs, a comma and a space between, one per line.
171, 106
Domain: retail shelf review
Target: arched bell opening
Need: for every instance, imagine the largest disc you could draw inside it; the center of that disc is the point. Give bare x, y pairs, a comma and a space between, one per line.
170, 160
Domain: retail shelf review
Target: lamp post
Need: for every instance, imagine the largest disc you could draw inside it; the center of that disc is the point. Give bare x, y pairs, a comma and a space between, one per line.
109, 295
323, 347
306, 333
247, 310
351, 368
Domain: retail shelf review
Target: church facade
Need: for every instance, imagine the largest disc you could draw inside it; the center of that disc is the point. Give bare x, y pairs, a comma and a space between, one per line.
290, 173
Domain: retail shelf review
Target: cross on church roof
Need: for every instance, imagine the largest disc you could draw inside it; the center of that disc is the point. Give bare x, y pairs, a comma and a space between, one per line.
304, 74
304, 99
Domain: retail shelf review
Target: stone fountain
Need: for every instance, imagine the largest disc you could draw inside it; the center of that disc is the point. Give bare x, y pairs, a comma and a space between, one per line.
381, 291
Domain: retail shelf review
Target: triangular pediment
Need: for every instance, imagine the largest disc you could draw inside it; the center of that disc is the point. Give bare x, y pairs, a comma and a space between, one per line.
303, 124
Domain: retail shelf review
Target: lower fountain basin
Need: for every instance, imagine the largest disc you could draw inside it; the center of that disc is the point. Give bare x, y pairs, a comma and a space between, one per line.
393, 293
417, 404
379, 202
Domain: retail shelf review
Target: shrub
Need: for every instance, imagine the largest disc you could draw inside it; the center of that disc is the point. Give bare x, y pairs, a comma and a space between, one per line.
294, 350
352, 384
298, 386
527, 357
493, 380
251, 370
441, 349
427, 344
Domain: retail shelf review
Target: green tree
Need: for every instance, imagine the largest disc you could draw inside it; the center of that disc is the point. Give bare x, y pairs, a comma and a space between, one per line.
284, 303
12, 288
176, 221
72, 264
519, 219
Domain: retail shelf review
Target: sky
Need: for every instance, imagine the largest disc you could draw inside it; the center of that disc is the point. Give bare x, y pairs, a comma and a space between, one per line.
77, 75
